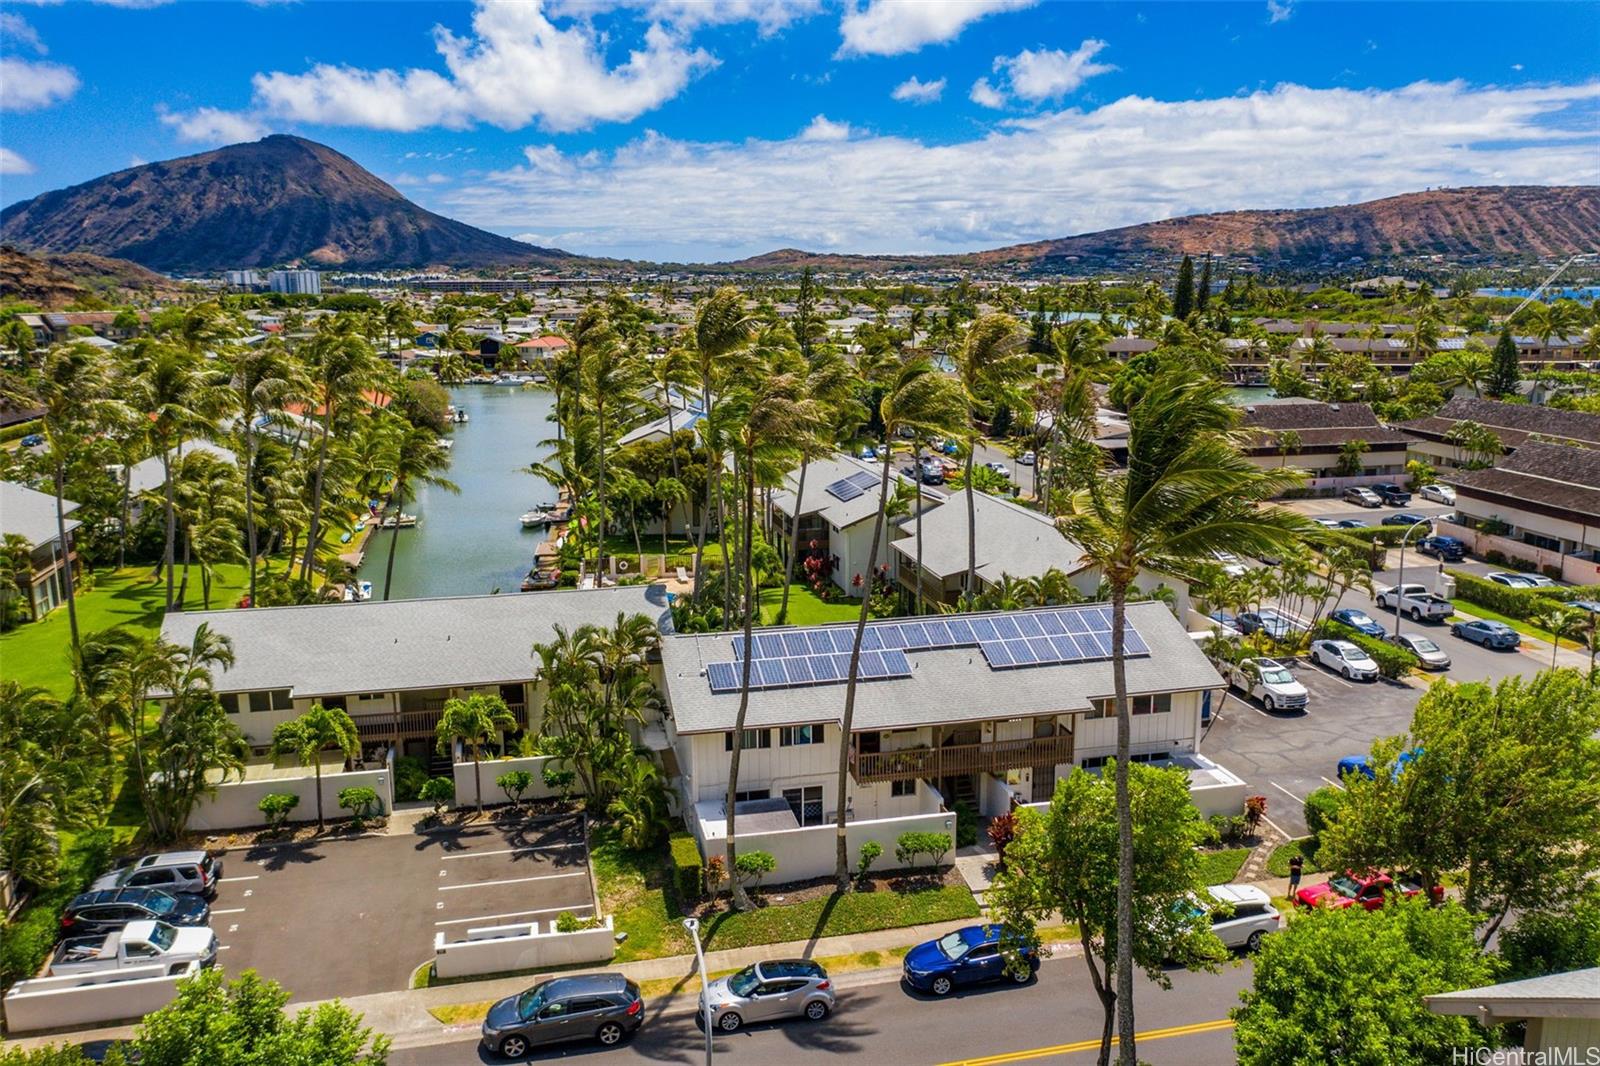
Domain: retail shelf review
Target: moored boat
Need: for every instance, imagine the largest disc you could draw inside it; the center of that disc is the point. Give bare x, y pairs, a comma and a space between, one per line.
403, 521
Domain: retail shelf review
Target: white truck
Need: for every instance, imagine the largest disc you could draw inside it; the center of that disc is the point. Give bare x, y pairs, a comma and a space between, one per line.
1414, 601
1269, 681
142, 943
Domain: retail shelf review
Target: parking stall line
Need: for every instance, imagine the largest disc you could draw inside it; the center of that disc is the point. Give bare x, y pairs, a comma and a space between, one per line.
246, 877
1335, 784
230, 910
510, 851
512, 881
516, 914
1285, 791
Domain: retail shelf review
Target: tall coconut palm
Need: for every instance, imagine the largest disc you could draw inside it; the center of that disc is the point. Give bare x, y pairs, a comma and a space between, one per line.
722, 331
170, 389
832, 384
262, 378
610, 378
768, 417
342, 367
669, 374
416, 459
1545, 320
990, 364
1187, 493
209, 509
918, 399
1078, 347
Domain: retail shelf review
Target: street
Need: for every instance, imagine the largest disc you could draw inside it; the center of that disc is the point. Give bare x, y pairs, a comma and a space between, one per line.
1049, 1020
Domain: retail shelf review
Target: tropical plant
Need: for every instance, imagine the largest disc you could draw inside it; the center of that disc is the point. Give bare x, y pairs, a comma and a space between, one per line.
318, 730
640, 803
416, 458
990, 365
514, 783
193, 737
47, 782
438, 791
361, 802
473, 721
753, 866
277, 806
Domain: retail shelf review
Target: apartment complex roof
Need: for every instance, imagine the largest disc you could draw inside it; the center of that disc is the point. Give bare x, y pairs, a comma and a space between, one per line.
837, 510
397, 645
146, 475
1554, 475
1573, 994
30, 514
1513, 423
945, 685
1011, 540
1319, 425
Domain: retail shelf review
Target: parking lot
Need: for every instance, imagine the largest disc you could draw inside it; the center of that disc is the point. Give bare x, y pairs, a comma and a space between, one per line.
352, 917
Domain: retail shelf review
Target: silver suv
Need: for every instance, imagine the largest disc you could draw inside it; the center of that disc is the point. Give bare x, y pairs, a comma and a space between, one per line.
193, 872
767, 991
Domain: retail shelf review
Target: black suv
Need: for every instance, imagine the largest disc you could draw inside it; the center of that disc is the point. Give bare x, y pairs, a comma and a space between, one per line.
1393, 495
602, 1006
110, 909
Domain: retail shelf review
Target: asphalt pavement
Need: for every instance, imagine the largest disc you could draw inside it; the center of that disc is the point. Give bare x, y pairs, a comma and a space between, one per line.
1056, 1018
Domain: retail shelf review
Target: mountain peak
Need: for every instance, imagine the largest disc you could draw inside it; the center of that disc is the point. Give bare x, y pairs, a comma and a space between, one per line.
280, 200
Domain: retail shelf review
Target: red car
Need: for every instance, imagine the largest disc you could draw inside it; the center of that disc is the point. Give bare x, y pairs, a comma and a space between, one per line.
1364, 890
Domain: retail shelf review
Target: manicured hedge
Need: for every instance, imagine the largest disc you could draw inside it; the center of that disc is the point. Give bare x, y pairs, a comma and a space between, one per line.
1360, 540
1517, 603
1393, 661
687, 875
1321, 807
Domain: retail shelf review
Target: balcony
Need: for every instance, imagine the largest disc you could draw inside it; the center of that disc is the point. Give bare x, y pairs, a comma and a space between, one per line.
952, 760
423, 721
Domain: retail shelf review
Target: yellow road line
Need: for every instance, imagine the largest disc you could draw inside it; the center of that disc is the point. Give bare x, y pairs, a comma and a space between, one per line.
1094, 1045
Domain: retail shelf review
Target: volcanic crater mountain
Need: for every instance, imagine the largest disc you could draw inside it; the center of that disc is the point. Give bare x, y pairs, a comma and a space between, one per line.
275, 201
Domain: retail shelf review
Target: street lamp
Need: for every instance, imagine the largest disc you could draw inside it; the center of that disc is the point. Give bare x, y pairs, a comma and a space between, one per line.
1401, 580
693, 925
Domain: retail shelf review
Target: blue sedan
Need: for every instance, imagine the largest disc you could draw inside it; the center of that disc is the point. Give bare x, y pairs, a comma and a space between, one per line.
1487, 633
1358, 620
965, 957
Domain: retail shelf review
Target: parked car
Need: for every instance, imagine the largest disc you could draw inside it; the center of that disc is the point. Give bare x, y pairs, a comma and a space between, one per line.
601, 1006
1027, 458
999, 468
1439, 494
767, 991
1327, 523
1231, 564
1345, 658
1429, 654
33, 440
1346, 890
173, 871
1404, 518
1362, 497
1271, 621
1392, 494
1362, 764
141, 943
1487, 633
1513, 581
966, 956
1352, 523
869, 452
1359, 620
1241, 915
110, 909
1449, 549
1592, 606
1269, 681
1414, 600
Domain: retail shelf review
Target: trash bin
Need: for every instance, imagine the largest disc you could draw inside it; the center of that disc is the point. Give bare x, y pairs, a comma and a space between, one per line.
1447, 586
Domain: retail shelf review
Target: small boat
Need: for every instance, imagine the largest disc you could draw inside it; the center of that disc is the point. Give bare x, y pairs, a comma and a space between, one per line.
461, 415
402, 521
540, 379
539, 516
357, 591
446, 443
538, 580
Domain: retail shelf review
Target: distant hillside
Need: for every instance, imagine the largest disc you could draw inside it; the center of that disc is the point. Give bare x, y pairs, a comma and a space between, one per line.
1510, 222
56, 281
279, 200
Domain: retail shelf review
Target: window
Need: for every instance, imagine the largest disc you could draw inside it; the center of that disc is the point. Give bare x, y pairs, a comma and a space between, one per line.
276, 699
806, 803
907, 787
753, 738
753, 794
1095, 762
371, 697
230, 701
1161, 703
791, 736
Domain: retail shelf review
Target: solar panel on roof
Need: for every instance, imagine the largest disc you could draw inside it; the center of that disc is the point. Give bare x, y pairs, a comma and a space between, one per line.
769, 646
961, 633
1133, 643
738, 647
1028, 625
844, 640
871, 664
1075, 622
772, 673
1095, 645
995, 651
1006, 628
799, 671
1066, 649
864, 480
821, 642
1020, 653
871, 640
937, 634
825, 668
1099, 618
844, 489
895, 664
722, 677
890, 634
796, 644
1043, 650
1050, 623
983, 630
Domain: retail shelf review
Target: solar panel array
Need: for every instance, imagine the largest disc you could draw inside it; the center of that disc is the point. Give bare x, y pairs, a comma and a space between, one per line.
821, 656
848, 488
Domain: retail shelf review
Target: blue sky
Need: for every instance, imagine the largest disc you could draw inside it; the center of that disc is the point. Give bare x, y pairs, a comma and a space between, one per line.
710, 129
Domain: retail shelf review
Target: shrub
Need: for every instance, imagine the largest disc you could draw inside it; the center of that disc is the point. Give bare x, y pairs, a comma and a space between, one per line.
567, 922
688, 876
716, 873
277, 807
410, 773
28, 940
360, 801
514, 783
438, 791
966, 825
1393, 661
1255, 809
1517, 603
871, 851
908, 846
1321, 807
751, 866
1002, 830
559, 780
1229, 829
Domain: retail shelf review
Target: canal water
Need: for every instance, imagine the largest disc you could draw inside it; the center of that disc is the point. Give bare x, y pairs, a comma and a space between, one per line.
473, 543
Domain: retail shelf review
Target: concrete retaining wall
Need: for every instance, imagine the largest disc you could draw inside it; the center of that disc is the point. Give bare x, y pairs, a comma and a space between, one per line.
489, 769
234, 805
806, 853
89, 999
505, 948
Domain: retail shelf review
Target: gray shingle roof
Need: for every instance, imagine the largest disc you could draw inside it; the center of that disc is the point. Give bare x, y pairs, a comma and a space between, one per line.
330, 649
31, 514
1302, 416
1549, 421
1573, 994
819, 475
1558, 475
146, 475
945, 686
1011, 540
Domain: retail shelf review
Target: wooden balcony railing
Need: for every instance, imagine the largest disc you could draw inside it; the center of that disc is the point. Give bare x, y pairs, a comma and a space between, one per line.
384, 724
933, 763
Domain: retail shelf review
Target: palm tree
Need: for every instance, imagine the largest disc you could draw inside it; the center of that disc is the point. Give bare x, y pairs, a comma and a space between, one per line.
832, 384
768, 417
1288, 443
208, 504
263, 378
991, 362
314, 732
342, 366
473, 720
193, 735
1561, 622
170, 389
916, 397
417, 455
44, 783
1187, 493
610, 379
1078, 346
669, 373
670, 493
1546, 320
721, 332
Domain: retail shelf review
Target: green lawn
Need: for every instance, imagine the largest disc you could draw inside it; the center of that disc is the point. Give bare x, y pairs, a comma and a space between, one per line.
36, 653
1221, 867
805, 608
1278, 863
1526, 628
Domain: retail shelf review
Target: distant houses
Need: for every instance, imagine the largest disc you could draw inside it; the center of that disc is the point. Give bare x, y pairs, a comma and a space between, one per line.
1324, 440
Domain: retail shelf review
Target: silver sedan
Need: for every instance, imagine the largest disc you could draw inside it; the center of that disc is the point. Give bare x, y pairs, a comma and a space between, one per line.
768, 991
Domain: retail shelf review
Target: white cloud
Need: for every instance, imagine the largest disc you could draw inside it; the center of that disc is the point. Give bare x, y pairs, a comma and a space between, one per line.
1051, 74
768, 15
514, 69
823, 128
19, 32
210, 125
893, 27
915, 91
1054, 174
12, 163
26, 85
1277, 12
1517, 67
985, 95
